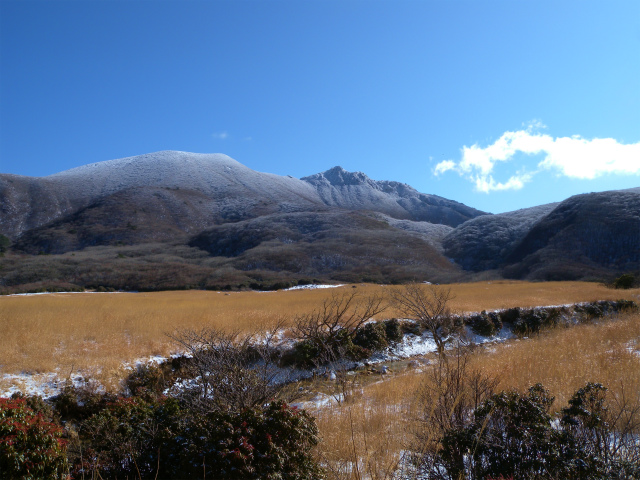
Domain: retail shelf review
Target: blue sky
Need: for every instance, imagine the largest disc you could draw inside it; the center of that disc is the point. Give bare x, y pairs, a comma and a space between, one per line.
497, 104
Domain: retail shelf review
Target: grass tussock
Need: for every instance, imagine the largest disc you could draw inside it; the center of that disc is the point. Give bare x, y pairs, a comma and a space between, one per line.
364, 436
564, 359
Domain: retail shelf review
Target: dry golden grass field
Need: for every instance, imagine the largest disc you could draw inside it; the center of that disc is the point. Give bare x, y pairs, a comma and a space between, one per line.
100, 331
362, 437
372, 429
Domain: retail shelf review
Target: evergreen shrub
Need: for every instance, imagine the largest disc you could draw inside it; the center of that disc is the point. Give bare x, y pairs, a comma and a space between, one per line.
30, 447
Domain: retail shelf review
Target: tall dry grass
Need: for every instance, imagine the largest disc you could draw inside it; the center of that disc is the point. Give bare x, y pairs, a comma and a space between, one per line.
100, 331
85, 330
364, 437
374, 429
565, 359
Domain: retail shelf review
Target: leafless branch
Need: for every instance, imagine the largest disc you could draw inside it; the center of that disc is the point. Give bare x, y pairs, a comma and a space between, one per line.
230, 370
336, 317
430, 306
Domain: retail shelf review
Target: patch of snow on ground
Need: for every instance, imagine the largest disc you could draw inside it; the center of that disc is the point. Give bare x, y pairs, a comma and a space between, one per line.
504, 334
151, 361
413, 345
633, 347
419, 345
312, 287
50, 293
44, 384
319, 401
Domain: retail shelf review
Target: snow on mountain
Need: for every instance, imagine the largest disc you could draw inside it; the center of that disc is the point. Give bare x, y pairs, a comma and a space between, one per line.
483, 242
354, 190
230, 190
227, 186
211, 174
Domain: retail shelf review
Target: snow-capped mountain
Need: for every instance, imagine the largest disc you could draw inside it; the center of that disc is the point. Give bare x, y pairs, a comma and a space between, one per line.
175, 219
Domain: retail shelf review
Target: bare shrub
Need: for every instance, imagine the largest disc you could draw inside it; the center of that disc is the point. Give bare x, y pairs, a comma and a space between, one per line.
230, 371
326, 334
430, 306
448, 397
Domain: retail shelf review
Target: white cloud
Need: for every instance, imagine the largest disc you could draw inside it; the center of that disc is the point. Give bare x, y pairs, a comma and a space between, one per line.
220, 135
445, 166
486, 184
573, 157
577, 157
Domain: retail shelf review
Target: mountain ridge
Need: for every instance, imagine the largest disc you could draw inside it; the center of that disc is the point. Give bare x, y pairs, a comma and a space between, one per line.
226, 181
175, 219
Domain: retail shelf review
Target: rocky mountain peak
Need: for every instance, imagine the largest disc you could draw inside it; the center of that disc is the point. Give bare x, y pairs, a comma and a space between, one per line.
338, 177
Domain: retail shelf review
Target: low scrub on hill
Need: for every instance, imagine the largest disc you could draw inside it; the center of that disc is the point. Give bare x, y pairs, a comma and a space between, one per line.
261, 253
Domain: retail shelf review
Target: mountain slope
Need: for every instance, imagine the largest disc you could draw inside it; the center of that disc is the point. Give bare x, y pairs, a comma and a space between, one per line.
229, 191
345, 245
590, 236
355, 191
177, 219
593, 235
484, 242
233, 191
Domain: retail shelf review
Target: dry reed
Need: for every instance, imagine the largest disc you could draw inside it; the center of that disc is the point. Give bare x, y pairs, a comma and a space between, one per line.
363, 437
61, 332
563, 360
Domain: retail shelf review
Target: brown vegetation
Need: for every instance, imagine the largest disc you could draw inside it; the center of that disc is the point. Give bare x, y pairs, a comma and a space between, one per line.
43, 333
376, 422
364, 435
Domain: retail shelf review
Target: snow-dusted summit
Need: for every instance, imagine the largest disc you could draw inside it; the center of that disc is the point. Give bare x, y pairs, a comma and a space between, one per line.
210, 174
177, 219
355, 190
215, 188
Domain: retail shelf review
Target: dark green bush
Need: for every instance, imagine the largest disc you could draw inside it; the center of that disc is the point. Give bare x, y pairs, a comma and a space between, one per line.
30, 446
160, 439
535, 319
624, 281
280, 286
304, 354
485, 324
347, 348
393, 330
510, 435
270, 443
413, 328
148, 380
372, 336
77, 403
127, 438
39, 406
626, 305
153, 380
603, 307
308, 354
590, 310
510, 315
